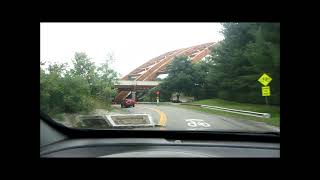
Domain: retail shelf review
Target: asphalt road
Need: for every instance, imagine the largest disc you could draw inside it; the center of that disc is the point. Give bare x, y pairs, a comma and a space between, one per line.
173, 117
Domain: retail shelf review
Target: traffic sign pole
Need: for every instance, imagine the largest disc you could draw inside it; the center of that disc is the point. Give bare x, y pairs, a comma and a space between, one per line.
267, 100
265, 80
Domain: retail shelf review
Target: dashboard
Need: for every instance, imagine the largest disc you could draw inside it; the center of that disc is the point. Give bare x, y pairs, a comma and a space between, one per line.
145, 147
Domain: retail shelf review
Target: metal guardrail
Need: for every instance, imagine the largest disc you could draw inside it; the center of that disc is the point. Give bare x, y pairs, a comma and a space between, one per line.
146, 102
153, 102
237, 111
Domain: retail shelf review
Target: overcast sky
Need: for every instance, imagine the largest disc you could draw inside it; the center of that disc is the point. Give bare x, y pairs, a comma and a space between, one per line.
131, 43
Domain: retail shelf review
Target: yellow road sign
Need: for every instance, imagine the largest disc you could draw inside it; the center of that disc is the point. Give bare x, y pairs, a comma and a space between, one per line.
265, 79
265, 91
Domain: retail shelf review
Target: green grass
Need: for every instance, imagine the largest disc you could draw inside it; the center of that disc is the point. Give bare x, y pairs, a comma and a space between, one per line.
59, 117
273, 110
99, 104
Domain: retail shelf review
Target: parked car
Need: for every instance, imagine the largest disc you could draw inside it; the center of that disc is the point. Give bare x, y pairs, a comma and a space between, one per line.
128, 103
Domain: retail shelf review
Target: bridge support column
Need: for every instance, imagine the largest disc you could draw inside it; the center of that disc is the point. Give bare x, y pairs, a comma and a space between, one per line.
133, 95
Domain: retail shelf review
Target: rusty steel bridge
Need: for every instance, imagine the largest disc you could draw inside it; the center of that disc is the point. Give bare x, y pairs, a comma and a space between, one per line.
144, 76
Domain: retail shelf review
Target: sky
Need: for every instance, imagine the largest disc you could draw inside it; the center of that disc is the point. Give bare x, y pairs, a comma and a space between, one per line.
132, 44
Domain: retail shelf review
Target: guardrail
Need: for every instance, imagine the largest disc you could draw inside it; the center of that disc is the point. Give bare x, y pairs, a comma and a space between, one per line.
237, 111
146, 102
153, 103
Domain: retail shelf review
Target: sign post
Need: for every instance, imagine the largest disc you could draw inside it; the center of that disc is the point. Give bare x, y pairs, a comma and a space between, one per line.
265, 80
266, 93
267, 101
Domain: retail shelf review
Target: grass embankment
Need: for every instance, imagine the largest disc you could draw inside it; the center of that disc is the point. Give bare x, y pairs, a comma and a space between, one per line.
273, 110
70, 117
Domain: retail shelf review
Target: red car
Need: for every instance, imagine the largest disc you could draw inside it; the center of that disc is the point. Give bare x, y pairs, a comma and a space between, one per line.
128, 103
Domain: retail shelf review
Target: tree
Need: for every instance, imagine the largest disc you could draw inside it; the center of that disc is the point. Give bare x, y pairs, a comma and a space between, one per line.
76, 94
76, 90
100, 79
264, 55
201, 87
84, 67
44, 95
180, 79
248, 50
106, 79
51, 88
187, 78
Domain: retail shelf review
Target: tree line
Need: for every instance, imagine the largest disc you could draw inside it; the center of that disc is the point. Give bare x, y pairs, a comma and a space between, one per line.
232, 69
77, 89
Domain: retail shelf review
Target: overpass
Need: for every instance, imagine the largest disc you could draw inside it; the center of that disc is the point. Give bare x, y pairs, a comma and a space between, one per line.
134, 86
147, 73
124, 83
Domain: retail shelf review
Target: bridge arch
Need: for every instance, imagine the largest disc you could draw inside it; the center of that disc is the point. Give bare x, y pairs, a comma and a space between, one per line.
150, 70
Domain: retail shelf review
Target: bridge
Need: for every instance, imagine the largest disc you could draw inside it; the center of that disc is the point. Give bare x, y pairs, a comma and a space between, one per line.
144, 76
131, 87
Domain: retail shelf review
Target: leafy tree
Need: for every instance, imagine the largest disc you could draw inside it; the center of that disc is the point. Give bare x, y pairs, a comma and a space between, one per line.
151, 96
51, 86
106, 78
77, 89
76, 94
180, 79
201, 88
84, 67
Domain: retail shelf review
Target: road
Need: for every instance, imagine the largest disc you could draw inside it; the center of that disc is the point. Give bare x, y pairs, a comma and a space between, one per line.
173, 117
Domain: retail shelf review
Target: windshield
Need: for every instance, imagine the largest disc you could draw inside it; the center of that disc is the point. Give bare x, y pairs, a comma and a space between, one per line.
162, 76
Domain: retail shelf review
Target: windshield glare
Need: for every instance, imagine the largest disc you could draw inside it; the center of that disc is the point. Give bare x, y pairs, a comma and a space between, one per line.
162, 76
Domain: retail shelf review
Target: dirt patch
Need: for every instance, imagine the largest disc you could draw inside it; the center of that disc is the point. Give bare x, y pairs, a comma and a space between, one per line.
100, 112
72, 120
129, 120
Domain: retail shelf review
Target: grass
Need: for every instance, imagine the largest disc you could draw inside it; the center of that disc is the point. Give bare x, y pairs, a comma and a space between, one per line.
273, 110
59, 117
70, 117
99, 104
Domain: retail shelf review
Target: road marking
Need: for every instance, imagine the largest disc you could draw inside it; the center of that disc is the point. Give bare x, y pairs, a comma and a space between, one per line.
163, 117
197, 122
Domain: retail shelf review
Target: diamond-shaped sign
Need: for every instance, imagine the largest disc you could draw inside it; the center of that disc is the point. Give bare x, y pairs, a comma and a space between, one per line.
265, 79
